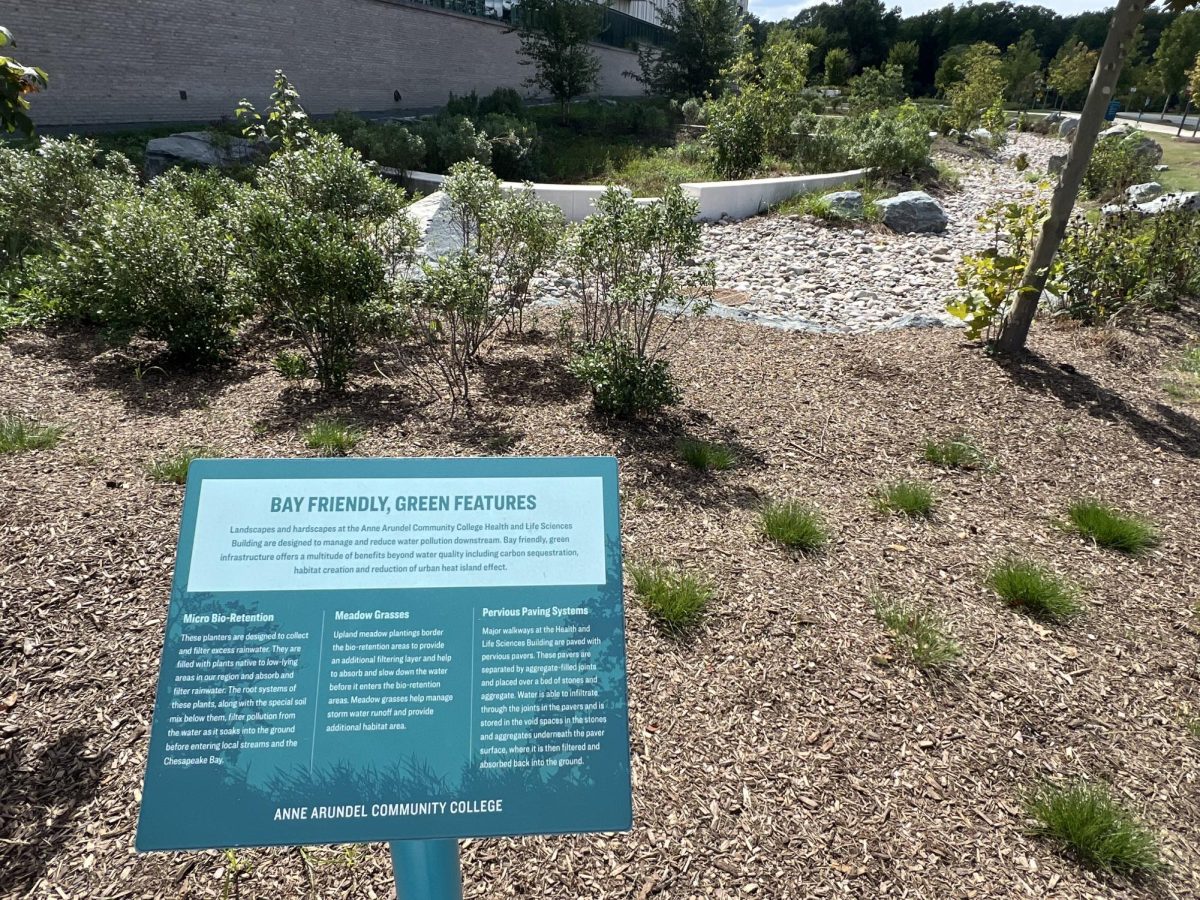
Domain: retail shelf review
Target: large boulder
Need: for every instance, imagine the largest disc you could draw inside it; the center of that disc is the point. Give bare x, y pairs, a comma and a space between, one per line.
845, 204
1143, 193
913, 211
1189, 201
1067, 127
206, 149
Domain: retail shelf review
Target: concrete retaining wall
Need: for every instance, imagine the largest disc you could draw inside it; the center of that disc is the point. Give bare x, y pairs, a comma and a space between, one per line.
115, 61
734, 199
742, 199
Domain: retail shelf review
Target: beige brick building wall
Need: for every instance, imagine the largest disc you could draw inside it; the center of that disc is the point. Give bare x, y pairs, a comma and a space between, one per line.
114, 61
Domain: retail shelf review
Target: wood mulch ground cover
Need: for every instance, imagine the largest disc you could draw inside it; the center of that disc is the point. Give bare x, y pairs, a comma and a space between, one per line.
784, 749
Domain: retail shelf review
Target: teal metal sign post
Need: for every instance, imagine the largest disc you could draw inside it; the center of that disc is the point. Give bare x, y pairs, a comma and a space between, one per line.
403, 650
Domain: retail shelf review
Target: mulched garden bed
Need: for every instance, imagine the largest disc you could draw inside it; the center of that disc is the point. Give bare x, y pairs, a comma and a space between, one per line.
784, 749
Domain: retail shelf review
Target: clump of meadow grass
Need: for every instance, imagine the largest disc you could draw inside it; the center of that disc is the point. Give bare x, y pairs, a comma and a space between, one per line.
910, 498
676, 599
1087, 821
795, 525
1033, 588
1111, 528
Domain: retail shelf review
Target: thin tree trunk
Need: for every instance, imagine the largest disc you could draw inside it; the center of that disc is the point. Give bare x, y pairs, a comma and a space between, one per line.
1014, 329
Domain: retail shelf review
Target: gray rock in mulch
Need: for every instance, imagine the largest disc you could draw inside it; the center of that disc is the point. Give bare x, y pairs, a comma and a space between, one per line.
913, 211
1188, 201
199, 148
1056, 164
1067, 127
439, 234
1143, 193
981, 135
845, 204
922, 320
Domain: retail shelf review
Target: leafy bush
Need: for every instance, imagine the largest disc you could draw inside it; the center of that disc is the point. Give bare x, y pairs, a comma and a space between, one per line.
693, 111
819, 145
1085, 820
389, 144
651, 175
291, 365
634, 282
794, 524
954, 453
321, 234
1115, 267
173, 469
45, 194
990, 278
676, 599
1035, 589
704, 455
892, 142
453, 139
19, 434
513, 143
919, 633
737, 132
982, 82
149, 264
332, 437
503, 101
623, 383
1116, 164
912, 498
876, 89
1110, 528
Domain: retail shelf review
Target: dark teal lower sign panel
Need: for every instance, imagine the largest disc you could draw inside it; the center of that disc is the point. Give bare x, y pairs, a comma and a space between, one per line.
379, 650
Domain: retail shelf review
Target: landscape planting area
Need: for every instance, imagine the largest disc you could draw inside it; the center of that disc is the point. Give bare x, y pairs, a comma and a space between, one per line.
782, 748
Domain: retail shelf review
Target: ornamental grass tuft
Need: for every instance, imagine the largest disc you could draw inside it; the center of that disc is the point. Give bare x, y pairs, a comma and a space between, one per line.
677, 600
910, 498
1085, 820
1033, 588
919, 633
173, 469
705, 456
332, 437
19, 434
1111, 528
795, 525
954, 453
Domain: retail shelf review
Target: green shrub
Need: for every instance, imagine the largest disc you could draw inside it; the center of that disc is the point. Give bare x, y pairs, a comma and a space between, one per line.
1116, 164
654, 173
919, 633
876, 89
911, 498
513, 142
820, 146
795, 525
634, 281
19, 434
389, 144
892, 142
737, 133
1111, 528
693, 111
504, 101
1085, 820
47, 193
149, 264
954, 453
1034, 589
704, 455
676, 599
623, 383
173, 469
332, 437
292, 365
321, 234
1115, 267
453, 139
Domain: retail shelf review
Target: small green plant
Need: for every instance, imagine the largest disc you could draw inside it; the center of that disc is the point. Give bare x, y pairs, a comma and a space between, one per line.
920, 633
235, 869
1034, 589
173, 469
676, 599
332, 437
1085, 820
292, 365
623, 383
704, 455
1110, 528
18, 434
911, 498
1193, 728
794, 524
1186, 383
954, 453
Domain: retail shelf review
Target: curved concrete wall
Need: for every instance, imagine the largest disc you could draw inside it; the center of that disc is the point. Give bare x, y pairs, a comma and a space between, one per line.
114, 61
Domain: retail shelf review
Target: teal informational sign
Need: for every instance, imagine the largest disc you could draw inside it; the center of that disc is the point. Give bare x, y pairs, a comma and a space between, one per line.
391, 649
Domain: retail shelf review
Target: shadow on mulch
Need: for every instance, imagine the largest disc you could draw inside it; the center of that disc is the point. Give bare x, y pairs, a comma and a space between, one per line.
46, 792
1171, 430
137, 374
522, 380
371, 405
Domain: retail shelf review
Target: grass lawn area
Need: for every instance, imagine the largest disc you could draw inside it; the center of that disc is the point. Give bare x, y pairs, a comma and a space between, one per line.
1184, 159
851, 713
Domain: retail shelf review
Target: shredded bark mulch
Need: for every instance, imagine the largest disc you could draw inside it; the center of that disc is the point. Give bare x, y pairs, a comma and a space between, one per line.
785, 748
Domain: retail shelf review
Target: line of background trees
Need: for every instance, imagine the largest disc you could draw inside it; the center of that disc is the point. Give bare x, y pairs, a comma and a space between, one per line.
1047, 57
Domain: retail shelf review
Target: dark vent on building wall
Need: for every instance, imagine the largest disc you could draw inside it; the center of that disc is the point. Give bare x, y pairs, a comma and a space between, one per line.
183, 95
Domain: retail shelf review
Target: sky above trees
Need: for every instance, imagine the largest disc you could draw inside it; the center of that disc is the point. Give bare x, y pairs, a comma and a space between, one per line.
773, 10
